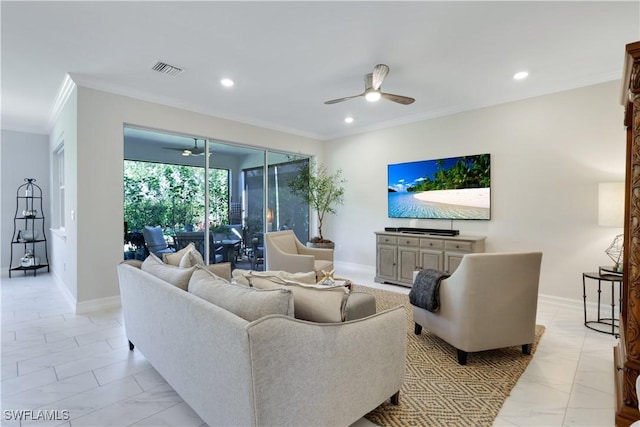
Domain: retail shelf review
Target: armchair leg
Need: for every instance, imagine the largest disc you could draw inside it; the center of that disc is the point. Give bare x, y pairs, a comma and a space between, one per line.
526, 348
462, 357
395, 399
417, 329
130, 346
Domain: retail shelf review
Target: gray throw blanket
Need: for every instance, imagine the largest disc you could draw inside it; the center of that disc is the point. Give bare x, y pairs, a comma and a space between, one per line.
425, 292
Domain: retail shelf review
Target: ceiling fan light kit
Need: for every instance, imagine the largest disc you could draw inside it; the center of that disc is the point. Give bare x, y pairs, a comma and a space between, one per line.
372, 92
373, 96
195, 151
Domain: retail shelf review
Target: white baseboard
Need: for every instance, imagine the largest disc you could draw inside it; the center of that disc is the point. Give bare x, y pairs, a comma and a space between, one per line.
85, 307
363, 268
98, 304
560, 301
64, 290
578, 304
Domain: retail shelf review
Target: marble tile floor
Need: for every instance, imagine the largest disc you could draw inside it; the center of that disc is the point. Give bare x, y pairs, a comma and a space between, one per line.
53, 359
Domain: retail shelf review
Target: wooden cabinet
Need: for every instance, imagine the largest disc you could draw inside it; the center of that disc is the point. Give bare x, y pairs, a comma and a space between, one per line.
626, 355
386, 263
408, 261
398, 255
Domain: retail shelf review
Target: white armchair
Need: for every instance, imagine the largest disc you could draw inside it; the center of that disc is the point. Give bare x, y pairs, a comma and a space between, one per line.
490, 301
283, 251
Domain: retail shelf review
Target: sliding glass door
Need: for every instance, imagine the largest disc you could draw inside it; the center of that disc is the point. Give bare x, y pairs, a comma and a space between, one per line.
288, 211
284, 211
246, 193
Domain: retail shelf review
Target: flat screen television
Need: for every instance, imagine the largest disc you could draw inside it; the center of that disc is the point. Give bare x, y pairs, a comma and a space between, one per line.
451, 188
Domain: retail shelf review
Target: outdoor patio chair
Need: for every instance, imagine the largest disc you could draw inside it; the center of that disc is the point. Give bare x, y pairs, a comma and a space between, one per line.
155, 242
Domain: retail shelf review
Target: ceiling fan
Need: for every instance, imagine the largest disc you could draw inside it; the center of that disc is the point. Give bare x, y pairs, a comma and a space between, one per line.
372, 92
194, 151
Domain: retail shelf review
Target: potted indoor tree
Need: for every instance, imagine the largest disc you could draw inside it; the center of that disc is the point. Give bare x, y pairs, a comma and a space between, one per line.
322, 190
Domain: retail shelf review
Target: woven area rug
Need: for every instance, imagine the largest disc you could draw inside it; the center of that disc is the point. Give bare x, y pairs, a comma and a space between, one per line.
437, 391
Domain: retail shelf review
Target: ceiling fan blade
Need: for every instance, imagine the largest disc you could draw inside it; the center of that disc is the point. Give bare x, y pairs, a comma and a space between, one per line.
380, 71
405, 100
335, 101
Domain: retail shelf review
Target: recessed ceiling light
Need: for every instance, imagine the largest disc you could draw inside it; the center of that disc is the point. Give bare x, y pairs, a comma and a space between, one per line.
348, 119
226, 82
520, 75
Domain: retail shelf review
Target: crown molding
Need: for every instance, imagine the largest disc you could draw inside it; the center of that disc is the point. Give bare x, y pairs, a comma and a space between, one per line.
65, 90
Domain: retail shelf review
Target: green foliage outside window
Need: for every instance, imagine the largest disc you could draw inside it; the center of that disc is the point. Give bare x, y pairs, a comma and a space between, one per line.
172, 196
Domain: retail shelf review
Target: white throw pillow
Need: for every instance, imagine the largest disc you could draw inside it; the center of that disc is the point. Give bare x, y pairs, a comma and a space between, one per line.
174, 258
175, 275
242, 276
248, 303
191, 258
316, 303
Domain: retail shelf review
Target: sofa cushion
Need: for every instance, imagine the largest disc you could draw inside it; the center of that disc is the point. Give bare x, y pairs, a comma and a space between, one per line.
248, 303
191, 258
132, 262
240, 276
174, 258
316, 303
222, 269
177, 276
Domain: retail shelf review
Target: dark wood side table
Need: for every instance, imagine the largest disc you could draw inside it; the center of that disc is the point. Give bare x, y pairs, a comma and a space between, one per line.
604, 274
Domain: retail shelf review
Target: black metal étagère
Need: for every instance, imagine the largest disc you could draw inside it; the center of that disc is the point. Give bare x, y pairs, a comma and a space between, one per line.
29, 241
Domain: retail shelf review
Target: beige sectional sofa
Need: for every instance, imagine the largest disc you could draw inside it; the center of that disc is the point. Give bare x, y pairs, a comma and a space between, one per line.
273, 371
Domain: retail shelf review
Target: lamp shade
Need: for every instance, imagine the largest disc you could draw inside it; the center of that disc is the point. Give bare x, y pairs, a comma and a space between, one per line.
611, 204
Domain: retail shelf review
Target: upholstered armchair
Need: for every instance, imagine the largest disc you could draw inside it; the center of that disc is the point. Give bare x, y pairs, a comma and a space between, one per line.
154, 241
489, 302
283, 251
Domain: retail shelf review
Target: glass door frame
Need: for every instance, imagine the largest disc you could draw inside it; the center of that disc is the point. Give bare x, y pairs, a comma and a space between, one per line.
210, 145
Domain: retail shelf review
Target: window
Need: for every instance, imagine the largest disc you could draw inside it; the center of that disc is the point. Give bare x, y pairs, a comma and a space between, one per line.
58, 185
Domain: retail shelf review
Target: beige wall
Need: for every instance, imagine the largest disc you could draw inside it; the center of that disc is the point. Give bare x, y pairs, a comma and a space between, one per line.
98, 203
548, 155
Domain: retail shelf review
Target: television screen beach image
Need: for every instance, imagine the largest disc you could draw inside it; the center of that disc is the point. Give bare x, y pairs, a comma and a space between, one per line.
451, 188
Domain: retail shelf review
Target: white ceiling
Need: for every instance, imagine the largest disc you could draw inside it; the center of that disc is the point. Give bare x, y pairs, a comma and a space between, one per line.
287, 58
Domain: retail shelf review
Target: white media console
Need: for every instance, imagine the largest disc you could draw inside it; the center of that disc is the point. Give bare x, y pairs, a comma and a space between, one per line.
399, 254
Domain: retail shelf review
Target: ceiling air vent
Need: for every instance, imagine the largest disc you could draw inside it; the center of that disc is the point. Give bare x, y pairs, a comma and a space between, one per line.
167, 69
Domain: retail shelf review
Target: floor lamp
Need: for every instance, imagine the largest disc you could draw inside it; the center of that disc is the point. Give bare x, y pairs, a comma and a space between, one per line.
611, 214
